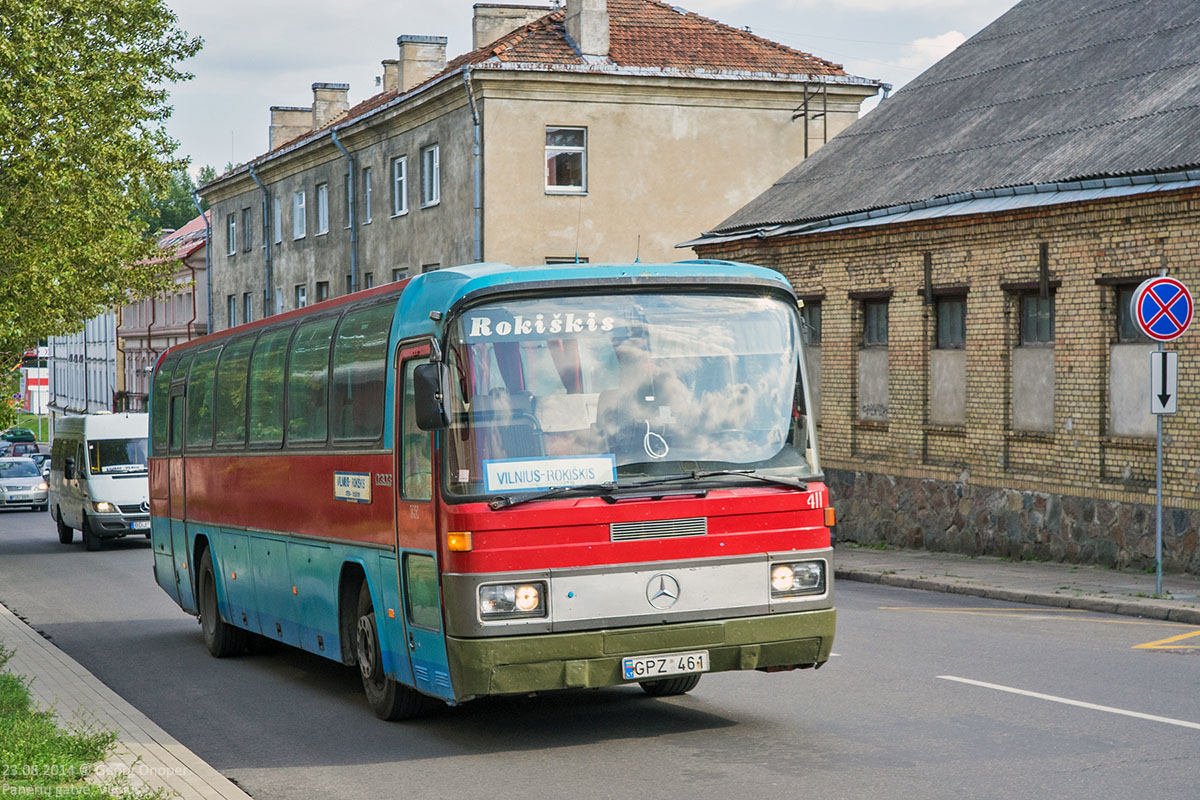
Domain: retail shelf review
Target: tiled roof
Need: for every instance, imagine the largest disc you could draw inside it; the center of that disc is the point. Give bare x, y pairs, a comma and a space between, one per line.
182, 242
1052, 92
644, 34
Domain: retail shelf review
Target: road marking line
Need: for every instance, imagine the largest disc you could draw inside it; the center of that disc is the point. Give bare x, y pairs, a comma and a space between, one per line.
1079, 703
1045, 613
1165, 644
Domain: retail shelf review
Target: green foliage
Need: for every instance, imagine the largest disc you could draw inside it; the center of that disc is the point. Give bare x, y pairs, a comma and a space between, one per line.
10, 384
82, 147
175, 208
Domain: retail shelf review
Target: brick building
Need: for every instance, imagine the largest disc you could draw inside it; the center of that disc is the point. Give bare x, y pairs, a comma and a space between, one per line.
967, 252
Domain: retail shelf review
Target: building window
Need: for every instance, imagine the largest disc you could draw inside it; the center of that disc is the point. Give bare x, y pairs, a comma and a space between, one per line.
278, 299
349, 284
231, 307
348, 198
810, 314
322, 208
247, 307
247, 237
566, 160
230, 234
566, 259
1037, 319
431, 176
366, 179
434, 267
368, 280
875, 323
322, 290
301, 295
1127, 328
399, 275
299, 216
951, 323
277, 218
399, 186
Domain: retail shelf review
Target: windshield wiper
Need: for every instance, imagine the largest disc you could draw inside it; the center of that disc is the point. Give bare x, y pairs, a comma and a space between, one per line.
504, 501
700, 474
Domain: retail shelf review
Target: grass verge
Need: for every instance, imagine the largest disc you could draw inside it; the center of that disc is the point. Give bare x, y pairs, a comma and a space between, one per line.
39, 759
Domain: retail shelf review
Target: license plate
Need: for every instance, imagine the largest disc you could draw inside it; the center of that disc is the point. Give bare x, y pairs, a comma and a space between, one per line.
141, 525
641, 668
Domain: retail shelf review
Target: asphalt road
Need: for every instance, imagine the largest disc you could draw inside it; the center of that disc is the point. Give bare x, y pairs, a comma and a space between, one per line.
891, 716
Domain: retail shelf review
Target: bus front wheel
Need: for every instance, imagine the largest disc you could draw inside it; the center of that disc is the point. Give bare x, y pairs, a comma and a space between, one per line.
389, 699
669, 687
65, 533
221, 638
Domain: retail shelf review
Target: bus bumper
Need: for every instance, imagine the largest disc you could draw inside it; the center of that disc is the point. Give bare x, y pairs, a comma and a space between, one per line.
591, 659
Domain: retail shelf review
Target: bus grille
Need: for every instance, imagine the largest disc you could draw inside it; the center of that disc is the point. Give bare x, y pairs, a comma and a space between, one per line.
657, 529
131, 509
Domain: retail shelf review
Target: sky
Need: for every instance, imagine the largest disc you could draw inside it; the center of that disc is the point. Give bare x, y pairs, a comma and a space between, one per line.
260, 53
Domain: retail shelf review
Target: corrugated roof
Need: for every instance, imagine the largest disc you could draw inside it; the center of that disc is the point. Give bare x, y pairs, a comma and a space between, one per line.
1052, 91
643, 35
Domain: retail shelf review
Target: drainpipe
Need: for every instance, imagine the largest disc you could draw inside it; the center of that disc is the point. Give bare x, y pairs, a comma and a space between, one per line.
477, 151
207, 267
267, 275
353, 202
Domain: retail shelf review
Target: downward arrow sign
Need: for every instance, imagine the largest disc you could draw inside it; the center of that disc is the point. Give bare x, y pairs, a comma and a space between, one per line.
1164, 396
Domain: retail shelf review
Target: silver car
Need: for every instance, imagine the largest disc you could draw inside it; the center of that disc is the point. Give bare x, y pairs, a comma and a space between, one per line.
22, 484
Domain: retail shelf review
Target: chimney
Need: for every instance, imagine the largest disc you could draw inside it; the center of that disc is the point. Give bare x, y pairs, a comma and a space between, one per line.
493, 21
587, 26
329, 102
391, 75
421, 57
288, 122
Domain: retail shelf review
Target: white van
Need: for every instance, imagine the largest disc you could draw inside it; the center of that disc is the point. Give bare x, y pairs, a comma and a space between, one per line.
98, 479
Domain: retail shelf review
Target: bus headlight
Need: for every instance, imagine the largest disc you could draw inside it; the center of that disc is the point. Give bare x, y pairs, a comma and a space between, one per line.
512, 600
104, 508
797, 578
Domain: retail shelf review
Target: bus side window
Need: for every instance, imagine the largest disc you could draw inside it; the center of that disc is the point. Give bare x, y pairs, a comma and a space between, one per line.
308, 382
265, 388
416, 465
176, 432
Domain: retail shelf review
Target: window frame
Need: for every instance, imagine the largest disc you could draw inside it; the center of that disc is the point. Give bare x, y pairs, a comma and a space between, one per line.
277, 218
950, 341
565, 150
322, 209
231, 234
366, 179
299, 215
301, 295
431, 175
399, 186
231, 309
247, 220
247, 307
868, 305
1023, 340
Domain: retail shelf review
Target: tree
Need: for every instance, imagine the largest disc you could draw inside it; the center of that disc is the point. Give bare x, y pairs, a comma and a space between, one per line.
175, 208
82, 147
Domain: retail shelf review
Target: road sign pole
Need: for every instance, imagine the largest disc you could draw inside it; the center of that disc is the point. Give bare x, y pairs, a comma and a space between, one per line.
1158, 590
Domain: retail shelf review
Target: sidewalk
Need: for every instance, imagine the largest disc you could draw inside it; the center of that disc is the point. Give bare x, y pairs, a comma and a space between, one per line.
145, 752
1051, 584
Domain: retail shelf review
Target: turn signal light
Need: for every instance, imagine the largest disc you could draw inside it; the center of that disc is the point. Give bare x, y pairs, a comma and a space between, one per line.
459, 541
830, 517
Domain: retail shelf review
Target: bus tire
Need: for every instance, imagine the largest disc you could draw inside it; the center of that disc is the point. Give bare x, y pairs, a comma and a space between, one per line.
91, 542
65, 534
669, 687
388, 698
221, 638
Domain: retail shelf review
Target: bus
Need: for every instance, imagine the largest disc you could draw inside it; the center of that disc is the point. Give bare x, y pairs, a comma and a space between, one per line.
488, 480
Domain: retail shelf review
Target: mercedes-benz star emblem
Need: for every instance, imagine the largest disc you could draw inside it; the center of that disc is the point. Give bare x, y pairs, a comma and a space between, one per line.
662, 591
145, 506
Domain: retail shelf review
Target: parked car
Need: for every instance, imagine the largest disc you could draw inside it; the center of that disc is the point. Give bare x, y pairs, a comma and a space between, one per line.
11, 448
18, 435
22, 485
43, 463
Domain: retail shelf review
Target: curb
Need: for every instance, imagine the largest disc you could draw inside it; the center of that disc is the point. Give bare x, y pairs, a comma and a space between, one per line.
1114, 605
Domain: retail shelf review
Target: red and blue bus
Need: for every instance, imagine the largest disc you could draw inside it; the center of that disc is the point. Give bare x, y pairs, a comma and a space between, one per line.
490, 480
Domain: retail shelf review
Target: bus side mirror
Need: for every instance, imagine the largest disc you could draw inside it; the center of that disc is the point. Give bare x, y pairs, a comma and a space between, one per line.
427, 388
69, 468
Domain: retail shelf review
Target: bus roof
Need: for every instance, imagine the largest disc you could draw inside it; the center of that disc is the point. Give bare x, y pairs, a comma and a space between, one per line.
433, 294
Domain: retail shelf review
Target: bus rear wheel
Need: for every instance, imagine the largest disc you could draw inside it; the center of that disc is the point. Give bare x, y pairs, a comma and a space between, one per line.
669, 687
221, 638
388, 698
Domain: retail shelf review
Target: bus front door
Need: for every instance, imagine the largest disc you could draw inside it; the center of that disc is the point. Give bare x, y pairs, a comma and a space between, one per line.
416, 538
177, 501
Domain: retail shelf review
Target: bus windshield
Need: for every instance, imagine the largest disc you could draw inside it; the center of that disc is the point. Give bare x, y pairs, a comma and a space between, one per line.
116, 456
564, 391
